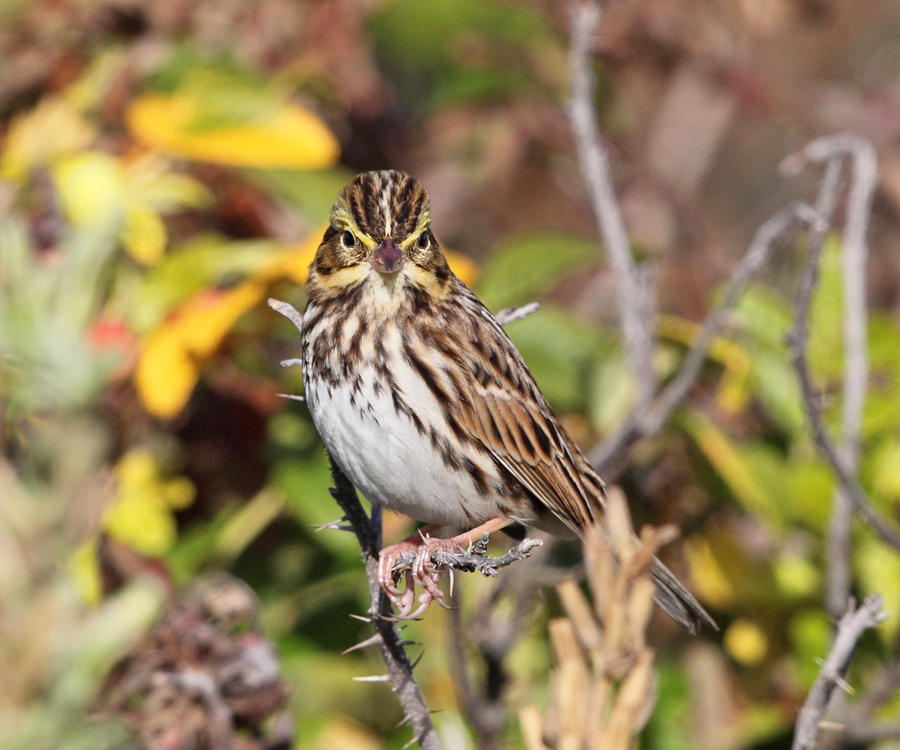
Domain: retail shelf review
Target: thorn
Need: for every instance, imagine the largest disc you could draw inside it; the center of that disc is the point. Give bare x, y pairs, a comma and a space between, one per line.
289, 311
336, 525
417, 660
372, 678
293, 362
291, 396
361, 618
836, 678
370, 641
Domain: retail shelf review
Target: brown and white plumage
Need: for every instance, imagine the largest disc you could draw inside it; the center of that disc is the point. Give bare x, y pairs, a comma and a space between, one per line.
419, 394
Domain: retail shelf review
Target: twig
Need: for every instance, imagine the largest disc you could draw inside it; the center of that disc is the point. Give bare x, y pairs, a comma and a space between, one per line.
633, 292
648, 419
475, 558
289, 311
509, 314
798, 339
850, 628
856, 367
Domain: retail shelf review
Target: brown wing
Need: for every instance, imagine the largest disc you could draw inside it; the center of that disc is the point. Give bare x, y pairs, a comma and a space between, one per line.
500, 406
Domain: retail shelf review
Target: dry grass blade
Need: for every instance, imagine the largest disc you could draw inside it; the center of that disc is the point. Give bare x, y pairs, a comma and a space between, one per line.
603, 688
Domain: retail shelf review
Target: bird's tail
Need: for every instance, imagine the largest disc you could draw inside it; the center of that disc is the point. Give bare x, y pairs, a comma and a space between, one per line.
677, 601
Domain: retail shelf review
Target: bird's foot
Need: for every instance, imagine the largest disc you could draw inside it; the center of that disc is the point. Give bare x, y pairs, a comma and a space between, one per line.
423, 571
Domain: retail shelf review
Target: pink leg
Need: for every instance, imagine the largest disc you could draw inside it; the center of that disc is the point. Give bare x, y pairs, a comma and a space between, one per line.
424, 571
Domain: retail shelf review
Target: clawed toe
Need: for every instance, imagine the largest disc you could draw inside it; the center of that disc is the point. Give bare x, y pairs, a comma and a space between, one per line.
423, 571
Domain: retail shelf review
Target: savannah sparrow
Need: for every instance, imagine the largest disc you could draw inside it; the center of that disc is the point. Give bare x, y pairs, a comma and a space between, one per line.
425, 403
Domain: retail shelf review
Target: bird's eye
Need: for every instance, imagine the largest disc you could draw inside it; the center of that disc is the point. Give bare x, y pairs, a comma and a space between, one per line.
347, 239
424, 241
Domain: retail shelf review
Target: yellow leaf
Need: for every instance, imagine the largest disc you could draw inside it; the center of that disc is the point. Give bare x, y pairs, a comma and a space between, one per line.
463, 266
293, 137
173, 355
142, 522
710, 577
141, 515
730, 465
84, 570
733, 391
746, 642
144, 235
51, 129
91, 188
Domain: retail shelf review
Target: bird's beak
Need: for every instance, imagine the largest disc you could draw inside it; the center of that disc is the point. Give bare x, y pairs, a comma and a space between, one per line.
387, 257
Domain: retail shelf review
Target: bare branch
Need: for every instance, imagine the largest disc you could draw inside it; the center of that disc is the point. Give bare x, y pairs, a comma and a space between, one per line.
799, 338
856, 367
289, 311
852, 625
649, 419
475, 558
633, 294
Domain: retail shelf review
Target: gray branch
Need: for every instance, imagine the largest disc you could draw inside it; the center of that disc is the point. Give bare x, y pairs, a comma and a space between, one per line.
799, 339
852, 625
634, 295
856, 360
649, 419
473, 559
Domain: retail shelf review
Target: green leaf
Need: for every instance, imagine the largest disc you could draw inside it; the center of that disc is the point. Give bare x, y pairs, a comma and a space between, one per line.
521, 268
810, 637
310, 191
877, 569
670, 725
826, 339
613, 392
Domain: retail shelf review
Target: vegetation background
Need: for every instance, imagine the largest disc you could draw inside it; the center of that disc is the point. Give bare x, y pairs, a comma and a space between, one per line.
166, 166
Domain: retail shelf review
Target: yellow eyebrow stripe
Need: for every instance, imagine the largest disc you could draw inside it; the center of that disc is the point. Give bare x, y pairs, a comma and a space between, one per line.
343, 217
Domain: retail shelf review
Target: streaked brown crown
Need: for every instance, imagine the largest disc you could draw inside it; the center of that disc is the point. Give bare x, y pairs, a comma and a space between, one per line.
373, 198
370, 209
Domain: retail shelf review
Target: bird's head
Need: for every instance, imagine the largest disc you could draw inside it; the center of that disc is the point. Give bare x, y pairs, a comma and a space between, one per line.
379, 235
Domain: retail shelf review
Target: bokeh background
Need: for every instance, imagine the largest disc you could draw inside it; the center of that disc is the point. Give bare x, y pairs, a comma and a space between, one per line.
166, 166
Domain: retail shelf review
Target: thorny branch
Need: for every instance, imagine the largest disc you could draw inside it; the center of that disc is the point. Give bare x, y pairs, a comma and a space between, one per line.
399, 668
856, 366
368, 533
850, 628
633, 286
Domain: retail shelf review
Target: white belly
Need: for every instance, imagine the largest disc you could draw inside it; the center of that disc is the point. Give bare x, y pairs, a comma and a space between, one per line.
386, 456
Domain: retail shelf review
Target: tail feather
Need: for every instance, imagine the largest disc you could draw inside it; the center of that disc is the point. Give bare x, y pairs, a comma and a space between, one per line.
679, 603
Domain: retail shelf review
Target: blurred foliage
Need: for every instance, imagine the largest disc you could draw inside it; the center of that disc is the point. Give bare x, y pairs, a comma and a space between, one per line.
164, 169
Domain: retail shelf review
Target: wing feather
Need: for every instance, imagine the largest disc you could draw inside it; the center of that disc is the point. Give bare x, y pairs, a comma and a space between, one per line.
503, 410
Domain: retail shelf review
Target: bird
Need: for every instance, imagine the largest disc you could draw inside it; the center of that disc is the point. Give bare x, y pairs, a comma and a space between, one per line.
424, 402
